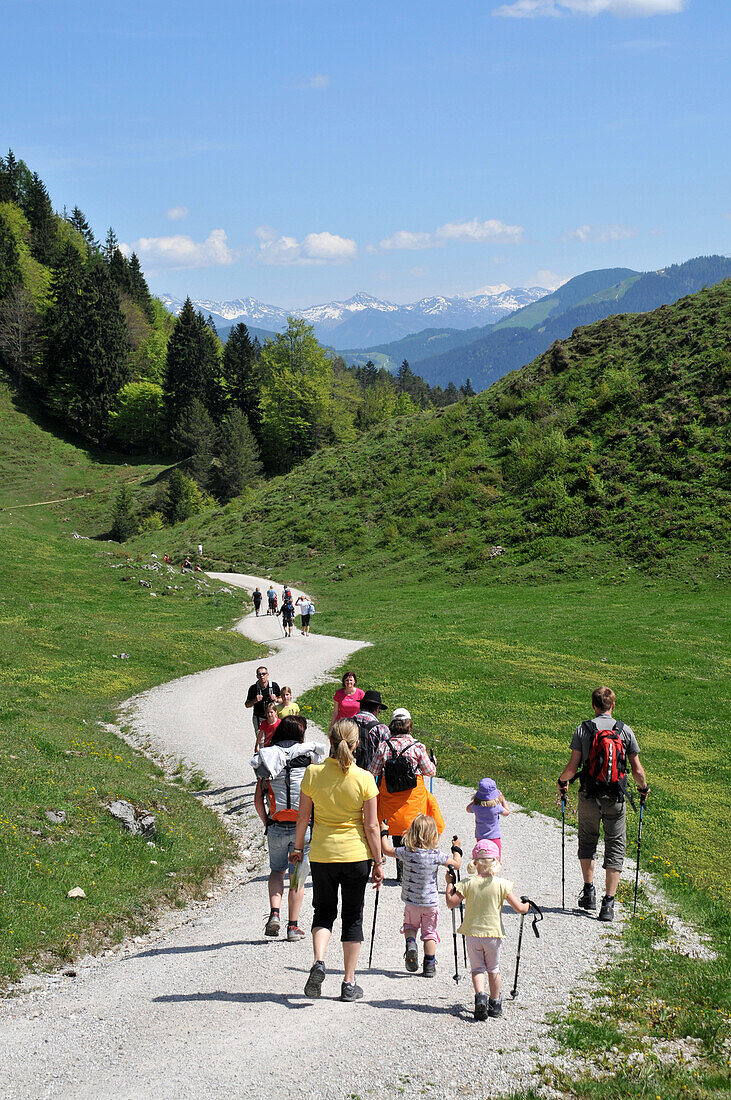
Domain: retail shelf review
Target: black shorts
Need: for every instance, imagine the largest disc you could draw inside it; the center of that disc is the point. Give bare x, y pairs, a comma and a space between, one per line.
305, 620
352, 878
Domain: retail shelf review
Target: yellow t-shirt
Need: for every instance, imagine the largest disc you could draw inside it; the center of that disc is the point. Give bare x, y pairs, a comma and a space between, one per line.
290, 708
338, 835
484, 899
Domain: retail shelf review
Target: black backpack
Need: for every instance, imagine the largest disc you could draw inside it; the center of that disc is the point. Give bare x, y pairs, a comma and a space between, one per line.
399, 773
368, 741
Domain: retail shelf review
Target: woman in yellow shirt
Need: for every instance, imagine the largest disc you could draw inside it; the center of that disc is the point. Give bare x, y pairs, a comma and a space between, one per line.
346, 837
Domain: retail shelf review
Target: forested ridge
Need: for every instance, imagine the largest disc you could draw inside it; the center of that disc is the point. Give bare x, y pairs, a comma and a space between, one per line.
81, 335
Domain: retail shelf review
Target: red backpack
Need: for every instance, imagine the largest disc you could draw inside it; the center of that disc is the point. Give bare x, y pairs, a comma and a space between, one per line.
605, 771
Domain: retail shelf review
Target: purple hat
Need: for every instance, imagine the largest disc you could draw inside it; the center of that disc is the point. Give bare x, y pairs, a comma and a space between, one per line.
486, 790
486, 849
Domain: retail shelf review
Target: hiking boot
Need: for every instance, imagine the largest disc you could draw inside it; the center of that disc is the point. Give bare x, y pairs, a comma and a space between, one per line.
411, 955
495, 1008
313, 985
430, 966
587, 897
606, 912
272, 926
294, 933
480, 1006
350, 991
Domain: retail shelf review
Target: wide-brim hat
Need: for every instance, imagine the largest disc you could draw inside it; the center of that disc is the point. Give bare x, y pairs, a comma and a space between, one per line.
486, 790
370, 700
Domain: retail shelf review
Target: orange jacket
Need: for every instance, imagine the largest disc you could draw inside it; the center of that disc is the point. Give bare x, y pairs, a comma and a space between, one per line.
400, 809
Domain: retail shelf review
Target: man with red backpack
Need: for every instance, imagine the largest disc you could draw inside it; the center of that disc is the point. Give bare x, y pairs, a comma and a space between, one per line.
602, 748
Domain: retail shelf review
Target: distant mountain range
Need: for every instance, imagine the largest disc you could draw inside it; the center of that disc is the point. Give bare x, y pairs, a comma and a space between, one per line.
363, 319
485, 354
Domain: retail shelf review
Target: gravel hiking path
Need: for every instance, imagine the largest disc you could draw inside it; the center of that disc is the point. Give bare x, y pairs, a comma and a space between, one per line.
205, 1003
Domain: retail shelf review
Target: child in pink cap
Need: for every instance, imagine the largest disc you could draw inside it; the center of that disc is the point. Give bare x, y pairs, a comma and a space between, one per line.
488, 805
484, 894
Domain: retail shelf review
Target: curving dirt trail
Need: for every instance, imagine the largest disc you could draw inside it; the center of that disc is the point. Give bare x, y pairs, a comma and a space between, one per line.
210, 1005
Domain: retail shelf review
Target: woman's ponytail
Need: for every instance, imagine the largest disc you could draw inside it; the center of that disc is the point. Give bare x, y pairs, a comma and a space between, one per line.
344, 742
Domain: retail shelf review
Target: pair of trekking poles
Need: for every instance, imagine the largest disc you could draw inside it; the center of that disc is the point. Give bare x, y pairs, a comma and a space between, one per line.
563, 851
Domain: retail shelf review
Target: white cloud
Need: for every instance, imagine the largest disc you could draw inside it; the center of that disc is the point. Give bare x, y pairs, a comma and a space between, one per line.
315, 248
600, 234
177, 213
183, 252
405, 240
550, 280
318, 83
491, 230
498, 288
527, 9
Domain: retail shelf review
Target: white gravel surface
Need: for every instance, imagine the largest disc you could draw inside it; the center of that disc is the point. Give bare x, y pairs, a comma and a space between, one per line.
206, 1003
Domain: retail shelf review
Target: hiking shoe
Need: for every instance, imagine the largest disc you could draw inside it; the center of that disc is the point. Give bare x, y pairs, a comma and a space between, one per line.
294, 933
607, 910
430, 966
272, 926
313, 985
411, 955
587, 897
350, 991
495, 1008
480, 1006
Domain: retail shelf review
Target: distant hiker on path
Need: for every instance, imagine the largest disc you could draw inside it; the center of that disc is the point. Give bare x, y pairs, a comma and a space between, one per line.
256, 597
421, 859
370, 731
259, 694
272, 600
347, 698
484, 896
601, 747
287, 613
488, 806
307, 610
279, 770
345, 839
403, 762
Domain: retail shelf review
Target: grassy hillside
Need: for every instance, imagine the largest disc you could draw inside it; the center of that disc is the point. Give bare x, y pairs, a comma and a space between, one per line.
604, 454
523, 335
68, 605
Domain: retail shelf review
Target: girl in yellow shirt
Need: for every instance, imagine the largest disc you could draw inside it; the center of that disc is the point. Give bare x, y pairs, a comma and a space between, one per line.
483, 895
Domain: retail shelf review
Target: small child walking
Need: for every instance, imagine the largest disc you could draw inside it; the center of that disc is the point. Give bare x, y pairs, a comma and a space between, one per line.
488, 806
484, 894
421, 859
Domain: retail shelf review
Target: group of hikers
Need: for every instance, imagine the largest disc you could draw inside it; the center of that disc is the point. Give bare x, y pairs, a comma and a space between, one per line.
335, 811
290, 607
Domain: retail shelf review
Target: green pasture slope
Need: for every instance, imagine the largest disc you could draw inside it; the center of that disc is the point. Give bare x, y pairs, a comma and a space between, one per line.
615, 571
63, 614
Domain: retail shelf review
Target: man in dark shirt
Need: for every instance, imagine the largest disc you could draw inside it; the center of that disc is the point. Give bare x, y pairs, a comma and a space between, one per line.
260, 694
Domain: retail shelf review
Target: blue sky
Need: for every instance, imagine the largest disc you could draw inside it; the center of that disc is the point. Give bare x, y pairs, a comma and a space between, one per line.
302, 150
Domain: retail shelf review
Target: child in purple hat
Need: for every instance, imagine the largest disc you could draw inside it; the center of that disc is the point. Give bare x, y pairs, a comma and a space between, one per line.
488, 806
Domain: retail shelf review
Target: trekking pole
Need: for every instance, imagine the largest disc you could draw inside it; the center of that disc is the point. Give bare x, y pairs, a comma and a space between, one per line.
563, 851
373, 929
639, 844
537, 915
431, 777
461, 906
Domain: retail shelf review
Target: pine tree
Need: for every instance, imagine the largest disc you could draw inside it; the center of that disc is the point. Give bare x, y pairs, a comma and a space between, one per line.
36, 205
182, 499
451, 394
124, 520
18, 332
241, 373
79, 222
466, 389
92, 366
120, 273
110, 245
194, 438
62, 321
191, 369
237, 461
9, 178
140, 290
9, 259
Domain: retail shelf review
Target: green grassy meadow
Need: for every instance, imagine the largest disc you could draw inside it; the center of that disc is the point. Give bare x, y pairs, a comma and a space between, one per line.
64, 612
